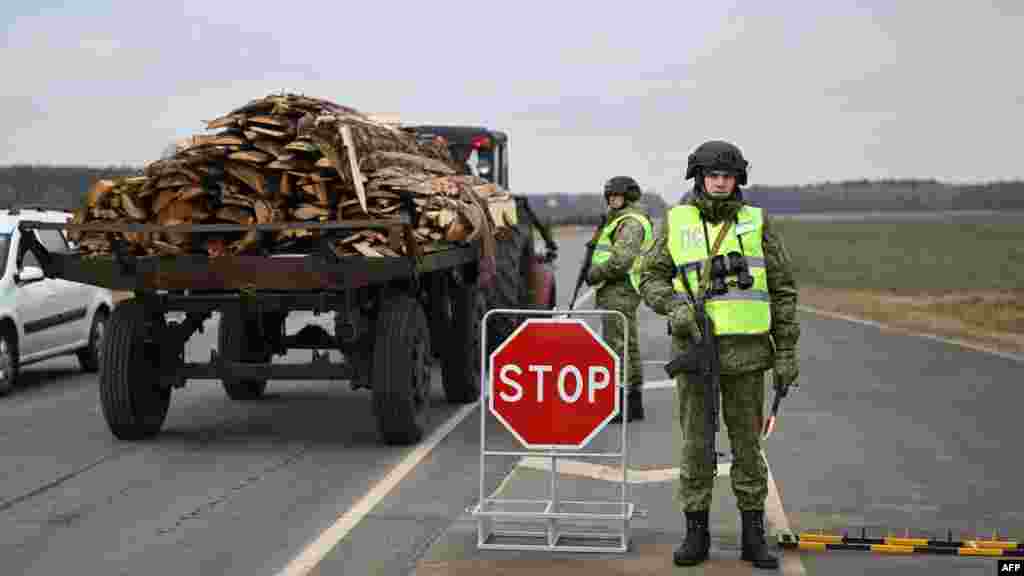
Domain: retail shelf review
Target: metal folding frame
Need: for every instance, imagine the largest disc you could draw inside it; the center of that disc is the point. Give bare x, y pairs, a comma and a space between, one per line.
553, 510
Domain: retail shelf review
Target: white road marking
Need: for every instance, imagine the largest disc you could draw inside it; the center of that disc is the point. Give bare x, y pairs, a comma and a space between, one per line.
658, 384
313, 553
776, 514
925, 335
609, 473
654, 362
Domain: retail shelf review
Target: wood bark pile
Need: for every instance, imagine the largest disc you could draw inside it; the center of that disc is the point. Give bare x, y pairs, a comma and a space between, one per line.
292, 158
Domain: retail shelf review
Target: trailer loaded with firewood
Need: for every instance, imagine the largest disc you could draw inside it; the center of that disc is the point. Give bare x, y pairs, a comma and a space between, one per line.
293, 204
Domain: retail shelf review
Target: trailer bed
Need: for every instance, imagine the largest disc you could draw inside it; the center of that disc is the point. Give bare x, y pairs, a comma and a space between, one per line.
320, 270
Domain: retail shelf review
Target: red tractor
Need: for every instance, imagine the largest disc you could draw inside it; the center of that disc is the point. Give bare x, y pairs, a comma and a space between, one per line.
525, 278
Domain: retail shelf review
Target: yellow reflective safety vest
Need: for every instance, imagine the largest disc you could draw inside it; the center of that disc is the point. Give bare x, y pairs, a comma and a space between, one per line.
689, 241
603, 246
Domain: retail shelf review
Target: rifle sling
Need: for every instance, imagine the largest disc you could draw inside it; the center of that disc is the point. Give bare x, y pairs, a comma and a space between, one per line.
706, 272
706, 268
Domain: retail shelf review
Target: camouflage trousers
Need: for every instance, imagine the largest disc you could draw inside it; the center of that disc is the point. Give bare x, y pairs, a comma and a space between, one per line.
742, 412
614, 333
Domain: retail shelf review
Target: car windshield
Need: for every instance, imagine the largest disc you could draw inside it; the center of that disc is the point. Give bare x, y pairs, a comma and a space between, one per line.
5, 241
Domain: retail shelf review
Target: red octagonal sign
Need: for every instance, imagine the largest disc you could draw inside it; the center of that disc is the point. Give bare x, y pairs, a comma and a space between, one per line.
554, 383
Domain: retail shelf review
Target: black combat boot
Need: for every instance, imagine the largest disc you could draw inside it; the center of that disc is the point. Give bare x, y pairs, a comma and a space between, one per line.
697, 545
754, 547
634, 408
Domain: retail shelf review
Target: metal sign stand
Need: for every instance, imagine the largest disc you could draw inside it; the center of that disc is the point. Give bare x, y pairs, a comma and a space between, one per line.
494, 513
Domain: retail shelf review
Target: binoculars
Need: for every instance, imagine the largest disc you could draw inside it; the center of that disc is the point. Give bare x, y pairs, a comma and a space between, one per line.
731, 264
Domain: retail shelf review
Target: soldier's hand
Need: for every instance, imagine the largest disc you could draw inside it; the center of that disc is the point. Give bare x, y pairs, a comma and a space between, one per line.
683, 323
594, 275
787, 368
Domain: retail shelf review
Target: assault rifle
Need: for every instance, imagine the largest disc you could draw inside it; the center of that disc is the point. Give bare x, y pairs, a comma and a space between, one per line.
587, 257
702, 359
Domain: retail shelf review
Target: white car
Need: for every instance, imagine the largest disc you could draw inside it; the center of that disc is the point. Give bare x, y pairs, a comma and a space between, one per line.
44, 317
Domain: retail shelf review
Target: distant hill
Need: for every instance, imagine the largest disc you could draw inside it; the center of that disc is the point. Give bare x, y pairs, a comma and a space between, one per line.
888, 195
55, 186
64, 187
583, 209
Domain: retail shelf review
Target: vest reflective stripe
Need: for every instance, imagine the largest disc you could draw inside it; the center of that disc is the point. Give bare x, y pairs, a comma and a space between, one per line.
696, 265
603, 246
737, 311
750, 295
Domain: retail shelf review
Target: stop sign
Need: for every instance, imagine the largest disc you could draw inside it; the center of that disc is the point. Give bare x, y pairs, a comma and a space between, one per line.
554, 383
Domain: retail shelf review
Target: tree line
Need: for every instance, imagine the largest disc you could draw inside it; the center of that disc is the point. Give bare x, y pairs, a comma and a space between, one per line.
64, 187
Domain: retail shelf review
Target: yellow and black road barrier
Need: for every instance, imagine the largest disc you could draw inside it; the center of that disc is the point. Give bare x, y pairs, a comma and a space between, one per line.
905, 545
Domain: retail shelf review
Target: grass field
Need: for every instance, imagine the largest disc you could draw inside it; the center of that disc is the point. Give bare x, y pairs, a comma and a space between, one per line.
960, 277
965, 253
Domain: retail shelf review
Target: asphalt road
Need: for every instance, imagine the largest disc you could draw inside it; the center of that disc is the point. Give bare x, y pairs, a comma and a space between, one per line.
889, 431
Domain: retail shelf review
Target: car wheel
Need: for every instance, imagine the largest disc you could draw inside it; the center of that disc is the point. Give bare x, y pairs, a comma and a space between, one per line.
90, 356
8, 362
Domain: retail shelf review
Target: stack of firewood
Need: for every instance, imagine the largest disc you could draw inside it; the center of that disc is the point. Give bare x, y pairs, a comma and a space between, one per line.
291, 158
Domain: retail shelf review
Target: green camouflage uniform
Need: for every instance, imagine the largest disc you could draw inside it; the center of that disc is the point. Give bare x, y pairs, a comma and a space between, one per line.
617, 293
744, 360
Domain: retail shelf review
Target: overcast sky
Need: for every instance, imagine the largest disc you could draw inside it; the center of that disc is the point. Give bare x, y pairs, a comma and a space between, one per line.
810, 91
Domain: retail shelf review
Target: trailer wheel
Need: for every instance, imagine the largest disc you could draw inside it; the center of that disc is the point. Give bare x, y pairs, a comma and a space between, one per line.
400, 369
134, 406
461, 350
234, 343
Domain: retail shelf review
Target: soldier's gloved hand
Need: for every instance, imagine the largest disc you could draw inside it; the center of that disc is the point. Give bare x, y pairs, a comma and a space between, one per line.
595, 275
786, 368
683, 323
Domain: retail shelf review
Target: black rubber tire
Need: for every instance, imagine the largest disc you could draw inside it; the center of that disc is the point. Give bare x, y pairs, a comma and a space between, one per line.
89, 357
460, 350
233, 344
509, 288
8, 335
133, 405
400, 370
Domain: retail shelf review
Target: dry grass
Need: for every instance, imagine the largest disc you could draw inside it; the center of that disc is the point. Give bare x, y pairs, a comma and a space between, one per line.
994, 319
958, 277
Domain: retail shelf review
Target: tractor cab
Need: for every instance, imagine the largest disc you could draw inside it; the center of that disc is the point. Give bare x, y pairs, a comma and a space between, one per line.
526, 276
483, 152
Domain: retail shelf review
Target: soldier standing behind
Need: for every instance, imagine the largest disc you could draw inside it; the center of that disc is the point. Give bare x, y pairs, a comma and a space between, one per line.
758, 331
627, 233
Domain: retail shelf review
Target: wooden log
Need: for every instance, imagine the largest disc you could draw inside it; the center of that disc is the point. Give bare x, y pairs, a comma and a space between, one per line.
228, 121
273, 133
251, 156
98, 192
271, 120
353, 162
275, 149
251, 176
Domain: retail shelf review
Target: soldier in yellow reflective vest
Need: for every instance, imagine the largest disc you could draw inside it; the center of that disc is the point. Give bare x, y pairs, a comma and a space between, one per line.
614, 266
757, 329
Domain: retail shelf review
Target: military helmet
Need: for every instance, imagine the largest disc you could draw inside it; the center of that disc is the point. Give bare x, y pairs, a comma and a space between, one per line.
623, 185
718, 155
